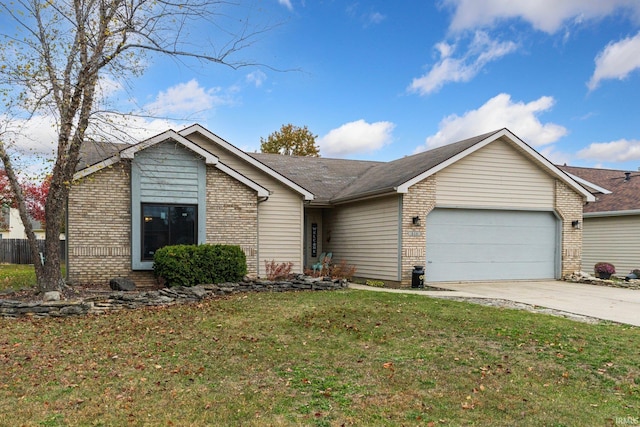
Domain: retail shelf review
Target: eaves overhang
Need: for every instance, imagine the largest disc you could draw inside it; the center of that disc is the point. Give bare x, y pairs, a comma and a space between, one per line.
307, 195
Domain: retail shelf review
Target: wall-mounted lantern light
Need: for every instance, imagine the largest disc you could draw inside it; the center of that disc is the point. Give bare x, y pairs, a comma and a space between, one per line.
416, 220
576, 224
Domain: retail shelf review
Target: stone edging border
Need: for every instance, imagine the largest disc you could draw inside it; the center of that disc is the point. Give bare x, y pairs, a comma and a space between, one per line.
582, 277
107, 301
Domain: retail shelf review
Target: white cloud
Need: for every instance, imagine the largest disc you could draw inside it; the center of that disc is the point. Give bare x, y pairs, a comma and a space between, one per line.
36, 136
356, 137
256, 78
482, 50
187, 98
286, 3
497, 113
543, 15
622, 150
376, 18
616, 61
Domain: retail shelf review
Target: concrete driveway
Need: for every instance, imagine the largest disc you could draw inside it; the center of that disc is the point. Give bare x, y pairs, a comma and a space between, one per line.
602, 302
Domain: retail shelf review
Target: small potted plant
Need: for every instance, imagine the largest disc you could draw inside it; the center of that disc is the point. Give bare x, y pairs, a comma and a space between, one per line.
604, 270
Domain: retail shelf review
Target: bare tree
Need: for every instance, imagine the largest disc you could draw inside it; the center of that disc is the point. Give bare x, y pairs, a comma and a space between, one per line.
53, 64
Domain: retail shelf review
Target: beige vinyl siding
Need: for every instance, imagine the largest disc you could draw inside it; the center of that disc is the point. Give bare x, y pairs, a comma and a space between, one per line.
365, 235
280, 230
280, 218
611, 239
495, 176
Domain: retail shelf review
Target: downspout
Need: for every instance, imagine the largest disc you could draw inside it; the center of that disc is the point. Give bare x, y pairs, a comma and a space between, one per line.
260, 200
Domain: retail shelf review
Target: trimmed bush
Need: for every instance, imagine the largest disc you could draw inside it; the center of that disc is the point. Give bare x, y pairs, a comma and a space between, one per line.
190, 265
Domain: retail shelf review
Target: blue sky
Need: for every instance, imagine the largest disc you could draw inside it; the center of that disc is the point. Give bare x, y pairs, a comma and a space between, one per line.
378, 80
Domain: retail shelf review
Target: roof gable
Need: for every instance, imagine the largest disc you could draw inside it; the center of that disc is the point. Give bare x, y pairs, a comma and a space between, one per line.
397, 176
129, 152
308, 195
394, 176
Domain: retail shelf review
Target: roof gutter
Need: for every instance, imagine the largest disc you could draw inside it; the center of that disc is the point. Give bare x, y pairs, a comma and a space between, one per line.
611, 213
370, 195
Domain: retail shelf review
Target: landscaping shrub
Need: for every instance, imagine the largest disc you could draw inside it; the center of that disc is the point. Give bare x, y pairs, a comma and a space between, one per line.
277, 271
190, 265
604, 267
342, 270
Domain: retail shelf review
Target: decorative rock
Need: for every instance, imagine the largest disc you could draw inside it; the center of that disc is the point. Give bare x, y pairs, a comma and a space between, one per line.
71, 310
51, 296
122, 284
103, 302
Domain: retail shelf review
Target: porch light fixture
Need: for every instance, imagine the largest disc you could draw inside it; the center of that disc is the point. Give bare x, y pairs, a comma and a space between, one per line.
416, 220
576, 224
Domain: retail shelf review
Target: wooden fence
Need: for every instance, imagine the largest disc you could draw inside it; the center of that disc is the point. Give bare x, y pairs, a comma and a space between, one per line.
16, 251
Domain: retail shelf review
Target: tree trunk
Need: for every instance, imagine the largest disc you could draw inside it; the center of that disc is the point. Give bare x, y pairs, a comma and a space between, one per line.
50, 277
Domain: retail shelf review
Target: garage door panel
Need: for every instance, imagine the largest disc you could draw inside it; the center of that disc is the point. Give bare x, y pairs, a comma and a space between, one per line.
465, 244
481, 234
492, 254
481, 271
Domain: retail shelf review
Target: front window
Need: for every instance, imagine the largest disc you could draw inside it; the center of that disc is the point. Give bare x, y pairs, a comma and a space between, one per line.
164, 225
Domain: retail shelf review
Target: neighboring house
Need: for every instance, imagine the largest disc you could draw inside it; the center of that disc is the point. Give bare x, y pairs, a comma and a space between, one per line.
11, 226
486, 208
611, 231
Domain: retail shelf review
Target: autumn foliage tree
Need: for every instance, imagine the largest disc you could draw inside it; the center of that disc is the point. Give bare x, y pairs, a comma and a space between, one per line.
34, 193
291, 140
53, 55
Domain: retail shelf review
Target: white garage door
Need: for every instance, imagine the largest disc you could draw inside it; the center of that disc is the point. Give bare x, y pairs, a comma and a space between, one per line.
474, 244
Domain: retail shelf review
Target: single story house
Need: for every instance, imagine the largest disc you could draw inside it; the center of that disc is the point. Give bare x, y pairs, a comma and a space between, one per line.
611, 231
485, 208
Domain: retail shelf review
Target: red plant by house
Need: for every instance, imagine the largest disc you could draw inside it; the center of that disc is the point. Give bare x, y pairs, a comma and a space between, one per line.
277, 271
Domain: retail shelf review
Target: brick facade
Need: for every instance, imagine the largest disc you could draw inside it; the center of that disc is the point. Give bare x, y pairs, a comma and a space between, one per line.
99, 223
569, 205
232, 215
419, 201
99, 226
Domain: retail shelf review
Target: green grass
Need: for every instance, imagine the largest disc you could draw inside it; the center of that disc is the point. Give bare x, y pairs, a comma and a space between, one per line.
319, 359
17, 276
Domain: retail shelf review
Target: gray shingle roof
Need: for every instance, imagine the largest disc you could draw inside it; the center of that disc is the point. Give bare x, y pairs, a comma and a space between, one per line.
94, 152
625, 194
333, 180
387, 176
324, 177
330, 180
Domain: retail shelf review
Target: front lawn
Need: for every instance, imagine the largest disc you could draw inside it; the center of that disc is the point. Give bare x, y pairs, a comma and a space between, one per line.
318, 358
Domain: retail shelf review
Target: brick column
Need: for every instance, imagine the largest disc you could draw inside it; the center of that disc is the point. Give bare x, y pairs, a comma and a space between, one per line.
569, 206
419, 201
